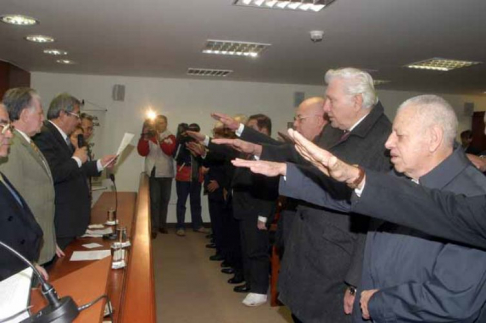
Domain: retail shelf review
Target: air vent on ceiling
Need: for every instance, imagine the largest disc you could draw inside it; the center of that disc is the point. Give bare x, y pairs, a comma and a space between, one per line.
234, 48
301, 5
208, 72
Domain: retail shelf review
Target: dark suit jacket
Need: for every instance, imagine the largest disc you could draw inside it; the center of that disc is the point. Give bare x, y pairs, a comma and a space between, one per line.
325, 247
70, 182
19, 230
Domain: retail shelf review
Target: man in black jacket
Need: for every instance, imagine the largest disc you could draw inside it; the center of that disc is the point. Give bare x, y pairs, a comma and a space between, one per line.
69, 167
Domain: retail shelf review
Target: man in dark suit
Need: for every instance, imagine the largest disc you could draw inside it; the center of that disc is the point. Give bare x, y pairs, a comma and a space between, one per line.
18, 227
407, 275
69, 168
324, 250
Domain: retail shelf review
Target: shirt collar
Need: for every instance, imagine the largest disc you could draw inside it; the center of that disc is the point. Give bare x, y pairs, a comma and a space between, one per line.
24, 135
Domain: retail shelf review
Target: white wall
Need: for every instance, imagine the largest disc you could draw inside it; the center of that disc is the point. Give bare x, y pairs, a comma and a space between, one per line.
188, 101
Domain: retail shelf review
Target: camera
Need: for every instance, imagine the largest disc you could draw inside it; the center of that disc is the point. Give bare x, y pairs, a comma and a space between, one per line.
182, 129
149, 128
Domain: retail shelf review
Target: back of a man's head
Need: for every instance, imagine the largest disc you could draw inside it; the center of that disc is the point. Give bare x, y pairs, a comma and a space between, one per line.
62, 102
18, 99
263, 122
356, 82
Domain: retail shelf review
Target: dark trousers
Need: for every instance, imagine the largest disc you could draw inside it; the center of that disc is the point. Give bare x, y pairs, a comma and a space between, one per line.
193, 190
231, 240
217, 209
256, 262
160, 189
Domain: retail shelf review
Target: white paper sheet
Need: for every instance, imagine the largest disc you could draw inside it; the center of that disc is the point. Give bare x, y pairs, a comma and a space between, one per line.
14, 296
90, 255
127, 138
96, 226
92, 245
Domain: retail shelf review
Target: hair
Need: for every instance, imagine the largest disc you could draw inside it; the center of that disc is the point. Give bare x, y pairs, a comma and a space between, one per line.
161, 116
241, 118
356, 82
17, 100
62, 102
194, 127
466, 134
86, 116
434, 110
262, 121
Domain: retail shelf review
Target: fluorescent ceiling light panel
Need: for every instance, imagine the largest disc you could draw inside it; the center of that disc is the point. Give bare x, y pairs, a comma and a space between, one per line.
380, 82
303, 5
39, 39
234, 48
55, 52
208, 72
441, 64
19, 20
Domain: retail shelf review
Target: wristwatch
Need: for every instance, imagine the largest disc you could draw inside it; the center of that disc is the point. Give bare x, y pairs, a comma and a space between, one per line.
360, 177
352, 290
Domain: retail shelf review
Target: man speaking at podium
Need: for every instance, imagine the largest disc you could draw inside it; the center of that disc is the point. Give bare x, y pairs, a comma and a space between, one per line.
69, 168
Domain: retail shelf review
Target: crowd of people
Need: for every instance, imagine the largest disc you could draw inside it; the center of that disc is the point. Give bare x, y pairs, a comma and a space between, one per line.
381, 221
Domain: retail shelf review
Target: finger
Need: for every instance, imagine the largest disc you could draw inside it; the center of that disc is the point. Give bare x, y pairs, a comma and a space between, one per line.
222, 141
243, 163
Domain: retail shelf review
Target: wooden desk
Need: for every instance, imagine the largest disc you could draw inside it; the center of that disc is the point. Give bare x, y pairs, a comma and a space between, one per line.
131, 289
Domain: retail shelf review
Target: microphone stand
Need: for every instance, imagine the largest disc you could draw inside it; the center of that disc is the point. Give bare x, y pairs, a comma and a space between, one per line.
62, 310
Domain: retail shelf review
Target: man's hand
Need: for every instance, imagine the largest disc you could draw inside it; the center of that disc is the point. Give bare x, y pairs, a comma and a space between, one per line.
228, 121
82, 154
365, 299
343, 172
196, 149
261, 225
269, 169
213, 186
477, 161
240, 145
42, 271
196, 135
348, 301
59, 252
108, 161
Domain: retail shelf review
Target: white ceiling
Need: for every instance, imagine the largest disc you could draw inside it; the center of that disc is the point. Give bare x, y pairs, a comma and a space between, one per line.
163, 38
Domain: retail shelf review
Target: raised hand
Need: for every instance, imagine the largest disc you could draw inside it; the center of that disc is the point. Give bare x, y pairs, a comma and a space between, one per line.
240, 145
196, 149
269, 169
196, 135
228, 121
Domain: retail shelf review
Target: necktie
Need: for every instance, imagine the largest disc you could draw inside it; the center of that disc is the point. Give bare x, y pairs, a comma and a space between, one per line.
70, 145
345, 135
39, 154
12, 191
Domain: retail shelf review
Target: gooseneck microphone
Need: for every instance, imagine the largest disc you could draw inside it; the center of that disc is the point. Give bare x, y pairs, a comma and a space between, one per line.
59, 310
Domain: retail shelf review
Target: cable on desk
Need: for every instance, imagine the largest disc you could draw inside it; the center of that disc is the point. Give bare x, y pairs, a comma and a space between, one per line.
108, 303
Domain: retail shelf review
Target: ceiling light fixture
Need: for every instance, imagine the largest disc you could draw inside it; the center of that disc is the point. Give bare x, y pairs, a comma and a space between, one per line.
441, 64
208, 72
39, 39
19, 20
65, 61
303, 5
229, 47
55, 52
380, 82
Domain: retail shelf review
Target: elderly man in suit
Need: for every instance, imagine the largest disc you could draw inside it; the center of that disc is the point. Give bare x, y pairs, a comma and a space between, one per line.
324, 250
69, 168
410, 276
26, 167
18, 227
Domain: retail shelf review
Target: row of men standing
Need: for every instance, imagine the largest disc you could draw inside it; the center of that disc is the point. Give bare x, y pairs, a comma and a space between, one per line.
48, 173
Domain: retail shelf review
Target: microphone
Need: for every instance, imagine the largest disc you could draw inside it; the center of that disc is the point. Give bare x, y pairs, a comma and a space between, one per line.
62, 310
81, 141
113, 236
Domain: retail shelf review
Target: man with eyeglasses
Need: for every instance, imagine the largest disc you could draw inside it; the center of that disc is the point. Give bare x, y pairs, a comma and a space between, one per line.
18, 227
69, 167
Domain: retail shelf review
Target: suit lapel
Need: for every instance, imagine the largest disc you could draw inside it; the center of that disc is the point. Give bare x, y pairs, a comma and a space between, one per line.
57, 135
36, 155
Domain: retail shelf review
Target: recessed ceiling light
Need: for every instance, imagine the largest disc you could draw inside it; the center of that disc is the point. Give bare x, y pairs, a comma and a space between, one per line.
39, 39
380, 82
441, 64
19, 20
66, 61
234, 48
303, 5
55, 52
208, 72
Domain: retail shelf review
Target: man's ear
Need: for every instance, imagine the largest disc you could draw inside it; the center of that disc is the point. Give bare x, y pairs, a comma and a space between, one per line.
436, 137
358, 102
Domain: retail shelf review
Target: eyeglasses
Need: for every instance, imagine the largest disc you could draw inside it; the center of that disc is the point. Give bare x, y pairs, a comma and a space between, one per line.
5, 126
77, 116
300, 118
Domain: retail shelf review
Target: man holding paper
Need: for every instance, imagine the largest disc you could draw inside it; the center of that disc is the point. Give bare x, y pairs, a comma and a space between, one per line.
69, 168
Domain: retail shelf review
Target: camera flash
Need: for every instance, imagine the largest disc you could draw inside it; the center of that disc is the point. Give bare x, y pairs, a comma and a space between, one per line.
151, 114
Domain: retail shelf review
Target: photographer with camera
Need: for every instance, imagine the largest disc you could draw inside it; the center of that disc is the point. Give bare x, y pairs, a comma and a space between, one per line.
189, 178
157, 144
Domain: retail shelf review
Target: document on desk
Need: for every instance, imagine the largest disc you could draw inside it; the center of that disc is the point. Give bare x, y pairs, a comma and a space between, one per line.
14, 296
97, 233
90, 255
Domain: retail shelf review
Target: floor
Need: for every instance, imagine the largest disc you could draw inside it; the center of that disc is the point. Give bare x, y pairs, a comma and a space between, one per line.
190, 288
